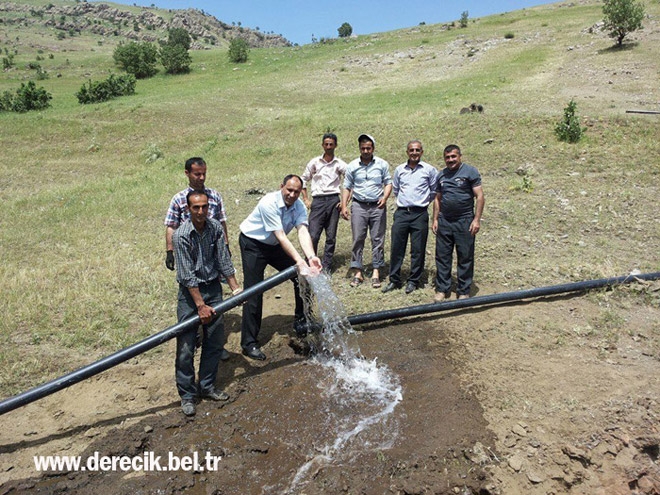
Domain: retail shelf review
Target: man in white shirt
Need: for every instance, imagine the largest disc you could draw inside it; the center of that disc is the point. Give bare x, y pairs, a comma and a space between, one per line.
263, 241
325, 173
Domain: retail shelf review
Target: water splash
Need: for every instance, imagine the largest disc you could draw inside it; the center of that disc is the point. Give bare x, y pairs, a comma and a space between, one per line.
363, 393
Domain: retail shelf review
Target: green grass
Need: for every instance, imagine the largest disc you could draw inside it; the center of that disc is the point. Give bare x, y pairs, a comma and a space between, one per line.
81, 232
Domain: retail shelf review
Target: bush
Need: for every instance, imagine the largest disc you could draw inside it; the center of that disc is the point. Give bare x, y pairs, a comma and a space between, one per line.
8, 61
622, 17
179, 36
28, 97
137, 58
112, 87
175, 59
345, 30
464, 19
238, 50
509, 36
569, 129
174, 52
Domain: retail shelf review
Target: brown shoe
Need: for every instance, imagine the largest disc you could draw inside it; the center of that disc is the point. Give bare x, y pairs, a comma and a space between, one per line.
439, 297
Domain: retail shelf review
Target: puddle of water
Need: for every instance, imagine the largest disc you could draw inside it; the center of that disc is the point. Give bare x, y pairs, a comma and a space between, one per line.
361, 393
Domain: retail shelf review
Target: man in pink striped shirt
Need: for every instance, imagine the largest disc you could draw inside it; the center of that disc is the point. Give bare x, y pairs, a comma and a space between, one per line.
325, 173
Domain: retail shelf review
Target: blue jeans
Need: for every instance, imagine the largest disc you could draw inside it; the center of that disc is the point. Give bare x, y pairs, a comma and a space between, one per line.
212, 343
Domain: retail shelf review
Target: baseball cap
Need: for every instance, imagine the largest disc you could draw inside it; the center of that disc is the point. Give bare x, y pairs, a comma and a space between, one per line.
367, 136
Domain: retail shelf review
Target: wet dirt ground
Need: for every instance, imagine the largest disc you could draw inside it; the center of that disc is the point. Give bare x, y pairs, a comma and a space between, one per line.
279, 418
524, 398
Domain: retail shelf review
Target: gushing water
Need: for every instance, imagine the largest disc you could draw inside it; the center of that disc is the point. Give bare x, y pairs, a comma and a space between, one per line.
363, 393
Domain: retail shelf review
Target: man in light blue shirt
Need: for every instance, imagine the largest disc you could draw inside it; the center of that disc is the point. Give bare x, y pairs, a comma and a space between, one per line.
263, 241
414, 186
368, 182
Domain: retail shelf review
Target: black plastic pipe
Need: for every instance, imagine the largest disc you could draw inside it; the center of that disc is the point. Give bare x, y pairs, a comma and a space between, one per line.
171, 332
498, 298
140, 347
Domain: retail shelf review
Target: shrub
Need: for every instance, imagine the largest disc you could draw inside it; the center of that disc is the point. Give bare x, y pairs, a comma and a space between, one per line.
509, 36
178, 36
345, 30
174, 52
8, 61
175, 59
464, 19
28, 97
622, 17
112, 87
238, 50
137, 58
41, 74
569, 129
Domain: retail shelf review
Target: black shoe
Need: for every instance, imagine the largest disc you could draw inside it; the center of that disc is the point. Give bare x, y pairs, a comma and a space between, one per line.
254, 353
410, 287
391, 286
301, 327
224, 355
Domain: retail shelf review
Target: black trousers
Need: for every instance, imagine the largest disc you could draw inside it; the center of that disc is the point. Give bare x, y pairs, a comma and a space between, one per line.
256, 256
454, 234
413, 223
324, 215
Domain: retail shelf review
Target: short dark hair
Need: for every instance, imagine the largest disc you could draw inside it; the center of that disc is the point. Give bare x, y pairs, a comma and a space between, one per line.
195, 160
329, 135
196, 192
291, 176
451, 147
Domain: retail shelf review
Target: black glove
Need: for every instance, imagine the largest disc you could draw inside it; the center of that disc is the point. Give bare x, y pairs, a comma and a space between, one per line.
169, 260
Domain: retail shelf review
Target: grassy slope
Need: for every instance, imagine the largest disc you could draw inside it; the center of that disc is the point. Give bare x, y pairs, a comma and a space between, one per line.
82, 236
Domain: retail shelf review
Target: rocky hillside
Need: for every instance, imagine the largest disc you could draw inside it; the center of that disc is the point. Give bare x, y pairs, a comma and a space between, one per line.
133, 23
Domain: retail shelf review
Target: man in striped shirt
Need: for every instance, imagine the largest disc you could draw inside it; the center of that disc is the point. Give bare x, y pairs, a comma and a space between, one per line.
202, 258
177, 213
324, 173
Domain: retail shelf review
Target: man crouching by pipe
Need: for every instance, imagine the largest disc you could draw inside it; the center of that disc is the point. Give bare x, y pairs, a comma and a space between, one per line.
201, 258
263, 241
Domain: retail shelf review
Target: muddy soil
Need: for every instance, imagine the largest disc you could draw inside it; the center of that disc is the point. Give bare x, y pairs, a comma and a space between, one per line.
526, 397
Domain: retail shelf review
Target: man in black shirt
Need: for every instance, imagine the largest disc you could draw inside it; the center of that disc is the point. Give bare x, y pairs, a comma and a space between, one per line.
456, 223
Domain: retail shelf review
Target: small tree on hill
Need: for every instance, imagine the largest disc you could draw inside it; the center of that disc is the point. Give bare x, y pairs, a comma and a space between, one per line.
464, 19
345, 30
179, 36
622, 17
137, 58
238, 50
569, 129
174, 52
175, 59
